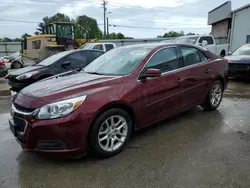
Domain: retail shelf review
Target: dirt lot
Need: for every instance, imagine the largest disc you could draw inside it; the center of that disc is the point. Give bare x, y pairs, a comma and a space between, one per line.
194, 149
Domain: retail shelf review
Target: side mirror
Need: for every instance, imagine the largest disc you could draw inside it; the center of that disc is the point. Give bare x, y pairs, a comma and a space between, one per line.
65, 64
204, 43
150, 73
229, 53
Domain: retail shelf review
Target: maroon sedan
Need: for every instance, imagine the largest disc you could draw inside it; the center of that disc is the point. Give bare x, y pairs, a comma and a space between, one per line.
126, 89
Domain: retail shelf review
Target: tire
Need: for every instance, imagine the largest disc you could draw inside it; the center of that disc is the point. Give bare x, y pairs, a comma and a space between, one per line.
101, 129
214, 96
223, 54
16, 65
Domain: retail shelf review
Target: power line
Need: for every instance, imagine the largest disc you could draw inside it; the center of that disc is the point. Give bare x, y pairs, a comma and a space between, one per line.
112, 25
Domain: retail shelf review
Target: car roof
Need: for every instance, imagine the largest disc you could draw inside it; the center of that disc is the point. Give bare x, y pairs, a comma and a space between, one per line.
77, 50
159, 45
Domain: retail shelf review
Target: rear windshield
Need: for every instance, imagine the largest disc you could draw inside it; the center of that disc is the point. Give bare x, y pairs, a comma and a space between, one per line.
50, 60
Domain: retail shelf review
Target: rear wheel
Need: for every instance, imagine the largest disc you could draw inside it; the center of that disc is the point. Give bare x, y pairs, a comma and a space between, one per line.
110, 133
214, 96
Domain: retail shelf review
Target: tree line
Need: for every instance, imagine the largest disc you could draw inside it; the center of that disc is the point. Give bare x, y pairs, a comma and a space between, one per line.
84, 26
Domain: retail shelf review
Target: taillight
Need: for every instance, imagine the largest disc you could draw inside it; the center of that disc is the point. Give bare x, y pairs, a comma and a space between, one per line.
2, 63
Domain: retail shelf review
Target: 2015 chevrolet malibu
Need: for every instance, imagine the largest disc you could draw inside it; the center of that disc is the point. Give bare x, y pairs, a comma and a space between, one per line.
121, 91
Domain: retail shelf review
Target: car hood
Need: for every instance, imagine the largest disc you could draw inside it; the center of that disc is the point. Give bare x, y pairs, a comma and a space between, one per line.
26, 70
238, 59
70, 85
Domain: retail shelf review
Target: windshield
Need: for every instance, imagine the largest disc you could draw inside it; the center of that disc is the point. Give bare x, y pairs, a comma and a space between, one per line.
188, 40
50, 60
244, 50
87, 46
120, 61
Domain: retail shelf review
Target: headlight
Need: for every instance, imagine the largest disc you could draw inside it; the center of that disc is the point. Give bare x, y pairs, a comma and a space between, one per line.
60, 109
27, 75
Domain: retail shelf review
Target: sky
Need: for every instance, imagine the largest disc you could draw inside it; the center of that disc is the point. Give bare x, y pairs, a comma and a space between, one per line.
158, 16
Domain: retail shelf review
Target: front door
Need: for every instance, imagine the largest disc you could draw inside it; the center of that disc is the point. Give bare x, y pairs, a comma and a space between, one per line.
162, 95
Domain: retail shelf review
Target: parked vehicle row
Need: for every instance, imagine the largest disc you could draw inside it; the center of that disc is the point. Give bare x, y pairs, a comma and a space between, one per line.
99, 46
128, 88
206, 41
3, 69
239, 62
56, 64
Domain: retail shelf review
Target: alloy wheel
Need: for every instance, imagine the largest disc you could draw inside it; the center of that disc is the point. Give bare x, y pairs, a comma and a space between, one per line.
113, 133
216, 95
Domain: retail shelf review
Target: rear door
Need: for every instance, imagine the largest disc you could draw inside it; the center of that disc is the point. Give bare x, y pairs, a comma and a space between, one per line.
162, 95
197, 76
211, 46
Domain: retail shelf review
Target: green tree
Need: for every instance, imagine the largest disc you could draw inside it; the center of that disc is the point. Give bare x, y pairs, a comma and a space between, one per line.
87, 26
173, 34
36, 33
25, 35
120, 36
47, 20
6, 39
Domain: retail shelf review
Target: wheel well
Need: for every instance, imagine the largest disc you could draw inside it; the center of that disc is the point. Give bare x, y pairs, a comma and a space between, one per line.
14, 62
122, 106
221, 80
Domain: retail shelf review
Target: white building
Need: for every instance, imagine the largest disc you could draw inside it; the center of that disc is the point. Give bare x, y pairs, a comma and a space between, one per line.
232, 25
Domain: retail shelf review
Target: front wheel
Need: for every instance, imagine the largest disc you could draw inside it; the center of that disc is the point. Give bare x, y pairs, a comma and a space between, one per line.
110, 133
16, 65
214, 96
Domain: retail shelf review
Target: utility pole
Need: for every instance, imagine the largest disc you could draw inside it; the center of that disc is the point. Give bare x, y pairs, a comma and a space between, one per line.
107, 25
104, 14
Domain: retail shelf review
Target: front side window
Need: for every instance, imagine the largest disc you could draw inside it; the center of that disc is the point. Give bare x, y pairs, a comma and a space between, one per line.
192, 56
119, 61
166, 60
36, 44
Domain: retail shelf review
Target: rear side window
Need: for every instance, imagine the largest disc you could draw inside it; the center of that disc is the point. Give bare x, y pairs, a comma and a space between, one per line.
98, 47
208, 39
192, 56
109, 47
166, 60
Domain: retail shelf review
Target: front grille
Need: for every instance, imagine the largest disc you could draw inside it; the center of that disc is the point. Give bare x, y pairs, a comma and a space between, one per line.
239, 67
23, 109
20, 124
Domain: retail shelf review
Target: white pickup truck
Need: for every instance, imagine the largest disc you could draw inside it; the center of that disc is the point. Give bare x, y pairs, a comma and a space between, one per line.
99, 46
206, 41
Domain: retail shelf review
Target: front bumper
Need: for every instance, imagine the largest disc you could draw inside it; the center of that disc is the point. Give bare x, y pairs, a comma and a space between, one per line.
3, 73
18, 86
66, 135
239, 74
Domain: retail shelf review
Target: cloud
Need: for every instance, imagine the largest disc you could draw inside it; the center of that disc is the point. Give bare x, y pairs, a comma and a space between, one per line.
158, 15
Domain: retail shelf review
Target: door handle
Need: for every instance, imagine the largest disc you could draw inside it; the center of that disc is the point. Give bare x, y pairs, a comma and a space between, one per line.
207, 70
178, 81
